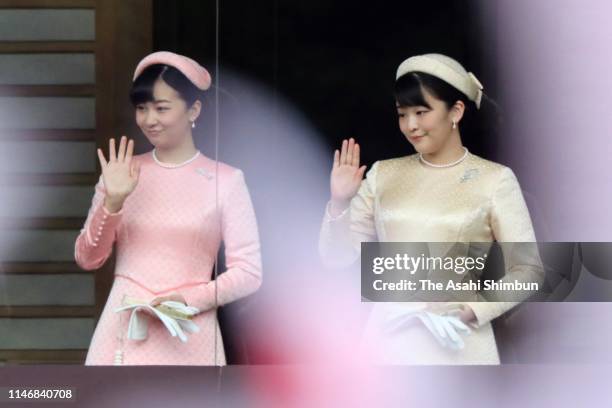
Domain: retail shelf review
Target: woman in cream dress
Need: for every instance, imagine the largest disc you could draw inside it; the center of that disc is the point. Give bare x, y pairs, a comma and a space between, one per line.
441, 194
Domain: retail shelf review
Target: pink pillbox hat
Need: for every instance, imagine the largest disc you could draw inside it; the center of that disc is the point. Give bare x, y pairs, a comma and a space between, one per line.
196, 73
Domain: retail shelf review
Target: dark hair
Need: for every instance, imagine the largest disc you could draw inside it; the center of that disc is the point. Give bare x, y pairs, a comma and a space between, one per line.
409, 90
478, 127
142, 88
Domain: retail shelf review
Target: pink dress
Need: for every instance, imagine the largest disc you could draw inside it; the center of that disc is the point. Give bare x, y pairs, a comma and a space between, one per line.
167, 236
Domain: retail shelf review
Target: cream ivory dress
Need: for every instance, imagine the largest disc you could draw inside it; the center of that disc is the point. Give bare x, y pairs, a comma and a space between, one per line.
404, 200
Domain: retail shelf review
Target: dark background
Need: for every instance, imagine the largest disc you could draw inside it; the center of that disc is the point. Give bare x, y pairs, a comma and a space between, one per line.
335, 61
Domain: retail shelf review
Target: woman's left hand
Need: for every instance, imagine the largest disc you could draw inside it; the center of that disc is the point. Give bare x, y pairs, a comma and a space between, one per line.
173, 297
467, 315
461, 311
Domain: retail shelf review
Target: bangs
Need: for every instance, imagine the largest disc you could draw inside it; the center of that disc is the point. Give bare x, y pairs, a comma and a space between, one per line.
409, 91
142, 88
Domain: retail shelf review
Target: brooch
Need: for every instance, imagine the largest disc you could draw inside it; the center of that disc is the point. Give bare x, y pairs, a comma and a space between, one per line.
203, 172
468, 175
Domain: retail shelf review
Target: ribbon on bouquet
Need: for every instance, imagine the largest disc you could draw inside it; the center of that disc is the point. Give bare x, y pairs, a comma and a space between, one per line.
176, 316
442, 323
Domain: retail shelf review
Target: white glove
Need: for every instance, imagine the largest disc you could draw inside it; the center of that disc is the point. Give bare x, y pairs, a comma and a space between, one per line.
183, 323
444, 327
181, 307
397, 317
138, 328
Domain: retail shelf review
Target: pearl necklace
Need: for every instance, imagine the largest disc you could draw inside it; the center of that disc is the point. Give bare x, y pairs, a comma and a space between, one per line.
441, 166
172, 165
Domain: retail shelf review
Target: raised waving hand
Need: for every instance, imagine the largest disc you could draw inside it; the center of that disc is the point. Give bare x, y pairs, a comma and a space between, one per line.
120, 173
346, 176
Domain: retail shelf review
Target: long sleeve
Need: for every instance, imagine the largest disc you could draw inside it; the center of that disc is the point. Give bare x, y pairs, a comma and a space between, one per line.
95, 242
242, 251
512, 228
341, 237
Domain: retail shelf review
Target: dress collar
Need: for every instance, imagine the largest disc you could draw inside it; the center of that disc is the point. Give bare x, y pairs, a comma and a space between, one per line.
172, 165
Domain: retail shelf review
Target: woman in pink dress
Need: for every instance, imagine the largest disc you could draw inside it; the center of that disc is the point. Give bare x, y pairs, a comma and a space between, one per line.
167, 212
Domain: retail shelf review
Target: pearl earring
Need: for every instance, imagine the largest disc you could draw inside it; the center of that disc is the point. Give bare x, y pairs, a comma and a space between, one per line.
454, 125
193, 125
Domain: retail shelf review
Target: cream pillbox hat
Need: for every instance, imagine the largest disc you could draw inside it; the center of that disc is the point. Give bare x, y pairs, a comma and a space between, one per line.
448, 70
